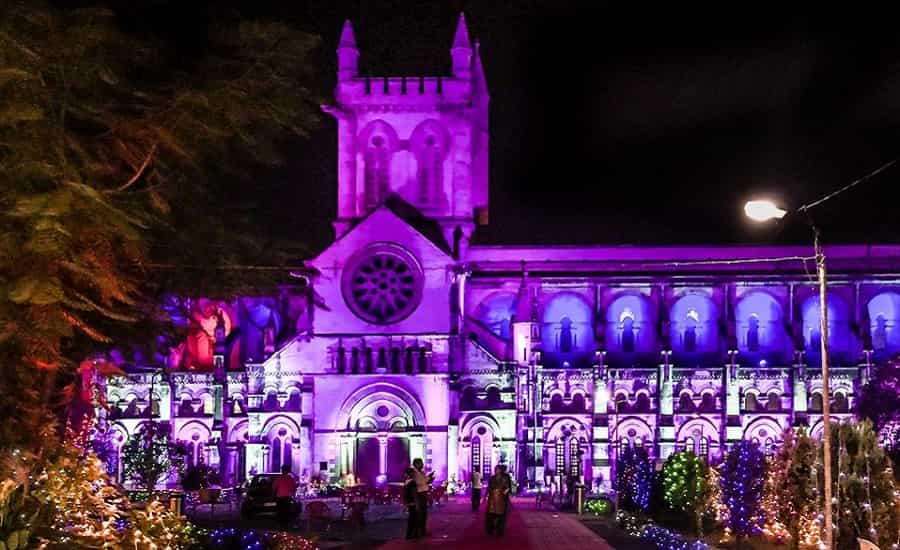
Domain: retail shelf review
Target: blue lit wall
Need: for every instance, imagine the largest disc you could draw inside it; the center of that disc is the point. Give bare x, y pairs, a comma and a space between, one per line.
693, 325
839, 338
630, 325
759, 325
496, 311
567, 325
884, 311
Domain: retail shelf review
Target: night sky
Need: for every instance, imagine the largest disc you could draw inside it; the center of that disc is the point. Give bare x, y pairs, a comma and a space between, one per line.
634, 125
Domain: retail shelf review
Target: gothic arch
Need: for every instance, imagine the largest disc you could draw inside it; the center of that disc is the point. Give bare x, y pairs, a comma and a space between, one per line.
759, 323
377, 143
630, 324
376, 394
481, 419
429, 143
238, 434
496, 311
694, 324
762, 429
567, 324
632, 428
561, 425
838, 325
281, 421
884, 320
704, 426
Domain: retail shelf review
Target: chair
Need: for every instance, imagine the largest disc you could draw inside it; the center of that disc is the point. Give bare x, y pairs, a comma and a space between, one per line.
318, 511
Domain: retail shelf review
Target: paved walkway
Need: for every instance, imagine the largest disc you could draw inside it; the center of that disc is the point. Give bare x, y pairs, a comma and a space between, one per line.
454, 525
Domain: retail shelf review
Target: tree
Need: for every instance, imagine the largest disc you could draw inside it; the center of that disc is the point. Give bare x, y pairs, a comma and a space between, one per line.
108, 143
149, 456
863, 487
634, 479
684, 485
743, 476
878, 401
792, 475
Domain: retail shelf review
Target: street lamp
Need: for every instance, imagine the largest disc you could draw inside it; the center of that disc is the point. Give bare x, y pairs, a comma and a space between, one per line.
763, 211
766, 210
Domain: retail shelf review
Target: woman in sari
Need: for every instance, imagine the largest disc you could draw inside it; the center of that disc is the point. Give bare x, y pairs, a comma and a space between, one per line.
498, 501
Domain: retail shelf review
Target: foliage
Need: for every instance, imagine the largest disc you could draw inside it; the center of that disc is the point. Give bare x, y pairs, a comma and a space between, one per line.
863, 487
239, 539
598, 506
684, 485
634, 479
790, 492
878, 401
65, 500
199, 476
150, 456
109, 142
743, 476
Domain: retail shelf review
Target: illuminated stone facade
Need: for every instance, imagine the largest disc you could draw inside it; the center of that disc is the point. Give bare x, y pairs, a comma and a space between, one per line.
406, 339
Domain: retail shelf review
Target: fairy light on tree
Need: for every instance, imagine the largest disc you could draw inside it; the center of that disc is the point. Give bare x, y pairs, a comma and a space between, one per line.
743, 476
684, 485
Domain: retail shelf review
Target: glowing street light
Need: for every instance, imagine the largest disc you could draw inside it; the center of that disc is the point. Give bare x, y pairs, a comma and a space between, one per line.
763, 211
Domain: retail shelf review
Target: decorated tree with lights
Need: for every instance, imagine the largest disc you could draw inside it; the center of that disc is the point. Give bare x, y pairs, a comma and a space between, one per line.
789, 500
878, 401
684, 485
634, 479
150, 456
743, 479
863, 487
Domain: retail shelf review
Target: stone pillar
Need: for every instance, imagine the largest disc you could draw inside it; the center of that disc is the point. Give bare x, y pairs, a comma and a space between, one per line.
382, 453
453, 452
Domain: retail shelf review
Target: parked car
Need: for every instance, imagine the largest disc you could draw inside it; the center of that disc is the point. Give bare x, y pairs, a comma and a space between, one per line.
260, 497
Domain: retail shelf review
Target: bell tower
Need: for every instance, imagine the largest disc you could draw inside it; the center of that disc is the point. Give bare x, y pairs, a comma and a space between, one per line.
422, 138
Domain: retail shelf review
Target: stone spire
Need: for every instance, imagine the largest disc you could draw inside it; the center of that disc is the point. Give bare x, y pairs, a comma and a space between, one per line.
461, 51
479, 82
347, 52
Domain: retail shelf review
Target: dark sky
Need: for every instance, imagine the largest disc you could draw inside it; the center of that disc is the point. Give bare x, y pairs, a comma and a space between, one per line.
636, 125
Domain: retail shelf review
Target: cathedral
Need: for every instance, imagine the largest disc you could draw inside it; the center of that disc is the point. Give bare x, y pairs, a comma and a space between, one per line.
406, 338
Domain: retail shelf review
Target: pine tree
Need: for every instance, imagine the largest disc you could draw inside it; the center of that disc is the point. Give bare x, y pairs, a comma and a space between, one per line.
863, 487
743, 477
150, 456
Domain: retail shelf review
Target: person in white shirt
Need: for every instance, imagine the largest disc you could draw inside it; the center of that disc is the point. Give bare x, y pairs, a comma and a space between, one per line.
423, 485
476, 490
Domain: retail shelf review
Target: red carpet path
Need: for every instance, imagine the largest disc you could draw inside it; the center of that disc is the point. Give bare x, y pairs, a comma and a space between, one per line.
454, 525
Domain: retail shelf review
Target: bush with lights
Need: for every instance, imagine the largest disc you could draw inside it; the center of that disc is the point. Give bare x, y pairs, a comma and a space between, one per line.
684, 485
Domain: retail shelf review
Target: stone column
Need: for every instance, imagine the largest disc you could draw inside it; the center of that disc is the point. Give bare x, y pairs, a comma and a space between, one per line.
382, 453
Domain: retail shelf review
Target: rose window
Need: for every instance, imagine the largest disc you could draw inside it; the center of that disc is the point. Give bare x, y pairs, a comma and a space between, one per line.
383, 285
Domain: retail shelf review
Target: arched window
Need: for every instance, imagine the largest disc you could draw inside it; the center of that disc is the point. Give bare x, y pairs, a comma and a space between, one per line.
839, 404
628, 334
690, 331
753, 333
621, 403
773, 401
770, 446
556, 404
275, 450
578, 404
574, 461
704, 447
560, 456
377, 171
708, 402
750, 402
566, 337
689, 444
493, 396
293, 402
816, 402
271, 403
686, 403
476, 454
641, 403
430, 161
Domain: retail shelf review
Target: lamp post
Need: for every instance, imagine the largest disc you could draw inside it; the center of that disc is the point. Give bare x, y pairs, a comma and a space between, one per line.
762, 211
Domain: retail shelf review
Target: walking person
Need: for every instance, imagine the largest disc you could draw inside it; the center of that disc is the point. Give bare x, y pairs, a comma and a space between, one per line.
507, 482
423, 485
284, 487
498, 499
476, 490
409, 500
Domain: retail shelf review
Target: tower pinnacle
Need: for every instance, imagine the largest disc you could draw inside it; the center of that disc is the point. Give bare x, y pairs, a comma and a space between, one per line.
461, 51
348, 54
